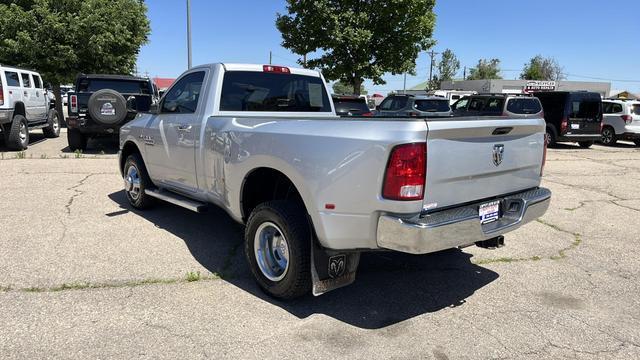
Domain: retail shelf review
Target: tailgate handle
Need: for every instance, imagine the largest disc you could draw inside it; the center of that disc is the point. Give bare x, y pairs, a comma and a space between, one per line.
502, 130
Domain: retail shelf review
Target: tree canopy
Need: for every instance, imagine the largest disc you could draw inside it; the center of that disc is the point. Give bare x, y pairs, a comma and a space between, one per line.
61, 38
342, 88
353, 40
486, 69
541, 68
446, 69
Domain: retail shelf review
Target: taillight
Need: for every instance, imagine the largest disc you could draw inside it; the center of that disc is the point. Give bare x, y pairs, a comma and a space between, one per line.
564, 125
405, 176
276, 69
367, 114
627, 119
73, 103
544, 156
1, 94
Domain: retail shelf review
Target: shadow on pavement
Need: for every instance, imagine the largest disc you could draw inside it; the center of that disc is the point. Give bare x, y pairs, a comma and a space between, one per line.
34, 138
389, 288
98, 146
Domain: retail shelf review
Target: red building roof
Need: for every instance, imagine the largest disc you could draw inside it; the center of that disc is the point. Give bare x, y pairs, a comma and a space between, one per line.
163, 83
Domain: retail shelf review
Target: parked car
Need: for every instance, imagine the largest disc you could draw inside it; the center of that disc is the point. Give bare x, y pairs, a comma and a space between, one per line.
621, 121
511, 105
101, 104
24, 106
351, 105
415, 106
572, 116
313, 189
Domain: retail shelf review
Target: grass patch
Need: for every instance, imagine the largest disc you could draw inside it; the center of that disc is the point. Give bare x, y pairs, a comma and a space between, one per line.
5, 288
21, 154
43, 156
64, 156
193, 276
78, 154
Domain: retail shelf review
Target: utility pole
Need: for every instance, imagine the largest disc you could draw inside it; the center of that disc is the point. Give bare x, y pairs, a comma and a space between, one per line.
189, 34
464, 76
304, 60
270, 57
432, 54
404, 88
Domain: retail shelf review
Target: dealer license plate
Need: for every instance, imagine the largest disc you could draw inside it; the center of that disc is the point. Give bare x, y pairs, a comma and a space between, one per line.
489, 212
575, 126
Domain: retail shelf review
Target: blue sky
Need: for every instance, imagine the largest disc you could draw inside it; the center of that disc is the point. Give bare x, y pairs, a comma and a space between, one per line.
588, 38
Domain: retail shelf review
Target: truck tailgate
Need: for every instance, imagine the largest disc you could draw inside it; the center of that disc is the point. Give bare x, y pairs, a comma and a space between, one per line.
470, 159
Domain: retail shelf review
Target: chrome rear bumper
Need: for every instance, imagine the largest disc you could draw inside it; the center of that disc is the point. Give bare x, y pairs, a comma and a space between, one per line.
459, 226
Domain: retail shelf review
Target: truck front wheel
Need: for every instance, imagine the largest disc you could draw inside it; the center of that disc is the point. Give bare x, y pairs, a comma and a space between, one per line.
136, 181
278, 248
16, 134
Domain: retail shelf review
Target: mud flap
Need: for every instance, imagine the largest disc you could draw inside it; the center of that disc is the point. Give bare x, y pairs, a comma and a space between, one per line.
331, 270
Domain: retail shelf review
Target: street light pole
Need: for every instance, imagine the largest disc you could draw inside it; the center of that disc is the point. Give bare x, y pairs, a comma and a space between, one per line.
189, 34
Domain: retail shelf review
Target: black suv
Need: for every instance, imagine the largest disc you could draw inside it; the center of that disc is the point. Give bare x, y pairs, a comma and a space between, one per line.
572, 116
512, 105
101, 104
351, 105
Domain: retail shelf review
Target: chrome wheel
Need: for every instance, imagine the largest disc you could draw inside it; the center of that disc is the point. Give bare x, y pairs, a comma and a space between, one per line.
132, 182
607, 136
271, 251
23, 133
55, 124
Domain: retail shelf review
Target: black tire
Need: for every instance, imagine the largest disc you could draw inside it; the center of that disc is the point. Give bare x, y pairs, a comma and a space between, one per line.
609, 136
291, 220
107, 107
76, 140
550, 138
637, 142
585, 144
16, 134
53, 130
138, 199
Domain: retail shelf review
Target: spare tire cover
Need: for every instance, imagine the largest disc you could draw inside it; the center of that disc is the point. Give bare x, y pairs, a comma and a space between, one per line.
107, 107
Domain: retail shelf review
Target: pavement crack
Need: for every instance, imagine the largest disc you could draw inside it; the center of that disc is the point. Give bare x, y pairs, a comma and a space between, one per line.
76, 192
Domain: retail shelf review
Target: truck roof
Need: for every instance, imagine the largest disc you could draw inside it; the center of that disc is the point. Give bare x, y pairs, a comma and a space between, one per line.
112, 77
260, 68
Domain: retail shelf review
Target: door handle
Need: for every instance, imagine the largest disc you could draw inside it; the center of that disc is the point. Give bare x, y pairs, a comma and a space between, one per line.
26, 94
184, 127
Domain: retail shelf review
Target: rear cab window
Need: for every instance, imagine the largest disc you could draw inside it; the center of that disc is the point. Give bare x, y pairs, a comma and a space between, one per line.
12, 78
121, 86
432, 105
524, 106
273, 92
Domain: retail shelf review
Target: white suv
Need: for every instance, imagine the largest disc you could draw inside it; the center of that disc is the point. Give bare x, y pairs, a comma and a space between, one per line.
23, 106
621, 121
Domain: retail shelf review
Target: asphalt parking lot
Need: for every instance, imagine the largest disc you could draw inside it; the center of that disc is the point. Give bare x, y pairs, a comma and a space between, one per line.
82, 275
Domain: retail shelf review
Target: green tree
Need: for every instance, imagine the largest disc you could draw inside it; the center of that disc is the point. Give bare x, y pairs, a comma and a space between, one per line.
61, 38
342, 88
354, 40
446, 69
486, 69
541, 68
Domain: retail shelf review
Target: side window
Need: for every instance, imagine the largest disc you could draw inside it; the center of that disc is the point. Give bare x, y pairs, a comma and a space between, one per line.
476, 104
460, 104
26, 80
606, 107
12, 78
575, 108
616, 108
394, 103
37, 82
495, 105
184, 95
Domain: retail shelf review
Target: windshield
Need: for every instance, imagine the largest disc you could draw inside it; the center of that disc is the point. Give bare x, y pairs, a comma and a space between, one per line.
263, 91
121, 86
432, 105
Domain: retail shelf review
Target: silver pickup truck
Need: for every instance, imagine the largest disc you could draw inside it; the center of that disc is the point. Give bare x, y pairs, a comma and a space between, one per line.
313, 189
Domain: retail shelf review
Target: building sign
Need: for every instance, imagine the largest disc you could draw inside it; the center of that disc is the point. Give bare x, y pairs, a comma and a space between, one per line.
538, 85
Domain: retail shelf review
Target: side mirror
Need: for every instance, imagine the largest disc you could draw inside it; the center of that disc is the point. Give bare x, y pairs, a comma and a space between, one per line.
154, 109
131, 104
